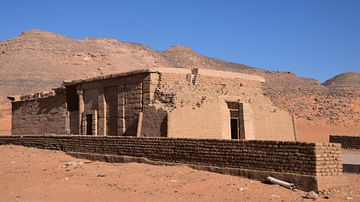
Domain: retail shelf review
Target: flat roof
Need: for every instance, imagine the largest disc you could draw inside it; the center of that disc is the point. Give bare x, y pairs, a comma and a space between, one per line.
205, 72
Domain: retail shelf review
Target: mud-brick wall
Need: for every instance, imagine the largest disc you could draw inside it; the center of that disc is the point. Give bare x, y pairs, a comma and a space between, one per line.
40, 116
347, 142
315, 159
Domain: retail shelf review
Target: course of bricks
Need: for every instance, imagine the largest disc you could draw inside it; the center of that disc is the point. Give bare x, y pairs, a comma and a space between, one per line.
347, 142
314, 159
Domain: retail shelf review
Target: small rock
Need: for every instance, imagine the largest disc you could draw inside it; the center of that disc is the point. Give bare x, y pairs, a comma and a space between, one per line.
101, 175
311, 195
241, 189
74, 163
275, 196
173, 181
348, 198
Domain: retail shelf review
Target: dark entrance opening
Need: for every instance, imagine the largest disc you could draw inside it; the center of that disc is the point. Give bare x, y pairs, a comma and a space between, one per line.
234, 127
72, 102
89, 124
236, 120
111, 101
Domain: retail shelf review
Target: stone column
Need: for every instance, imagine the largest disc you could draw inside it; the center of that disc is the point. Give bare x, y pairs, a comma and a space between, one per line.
121, 109
95, 123
102, 113
81, 112
67, 123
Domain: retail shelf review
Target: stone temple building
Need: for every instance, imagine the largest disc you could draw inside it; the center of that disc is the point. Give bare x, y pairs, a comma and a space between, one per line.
161, 102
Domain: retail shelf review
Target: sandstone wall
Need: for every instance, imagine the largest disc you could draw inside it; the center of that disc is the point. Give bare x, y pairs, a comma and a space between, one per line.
172, 102
347, 142
117, 102
154, 122
40, 116
297, 159
196, 103
206, 121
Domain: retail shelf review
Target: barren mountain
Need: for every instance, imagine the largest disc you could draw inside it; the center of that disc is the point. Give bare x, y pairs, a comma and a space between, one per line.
348, 80
38, 60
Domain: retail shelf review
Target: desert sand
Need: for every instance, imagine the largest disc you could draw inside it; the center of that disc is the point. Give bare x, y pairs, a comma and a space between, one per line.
29, 174
317, 131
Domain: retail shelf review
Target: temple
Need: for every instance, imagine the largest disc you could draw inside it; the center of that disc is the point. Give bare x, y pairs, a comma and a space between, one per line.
158, 102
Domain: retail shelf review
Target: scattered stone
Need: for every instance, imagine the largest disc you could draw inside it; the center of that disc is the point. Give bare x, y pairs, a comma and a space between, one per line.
241, 189
74, 163
348, 198
275, 196
112, 185
311, 195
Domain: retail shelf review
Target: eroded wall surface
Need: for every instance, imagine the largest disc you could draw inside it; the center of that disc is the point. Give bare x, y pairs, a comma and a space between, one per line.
197, 107
40, 116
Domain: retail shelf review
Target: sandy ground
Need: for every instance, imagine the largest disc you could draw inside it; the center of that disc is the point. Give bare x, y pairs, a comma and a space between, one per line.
28, 174
313, 131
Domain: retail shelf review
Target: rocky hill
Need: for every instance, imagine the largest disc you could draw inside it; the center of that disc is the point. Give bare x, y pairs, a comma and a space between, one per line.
347, 81
38, 60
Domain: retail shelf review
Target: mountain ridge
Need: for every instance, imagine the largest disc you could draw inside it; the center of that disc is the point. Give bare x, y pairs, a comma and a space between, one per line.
38, 60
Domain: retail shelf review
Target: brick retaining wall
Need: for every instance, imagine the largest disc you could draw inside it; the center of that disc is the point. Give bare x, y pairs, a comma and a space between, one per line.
347, 142
297, 158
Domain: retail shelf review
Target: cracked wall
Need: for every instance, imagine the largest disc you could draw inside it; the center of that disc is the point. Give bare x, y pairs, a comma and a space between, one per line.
196, 106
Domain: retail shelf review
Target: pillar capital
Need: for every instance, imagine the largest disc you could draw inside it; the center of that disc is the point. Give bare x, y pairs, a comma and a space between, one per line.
80, 92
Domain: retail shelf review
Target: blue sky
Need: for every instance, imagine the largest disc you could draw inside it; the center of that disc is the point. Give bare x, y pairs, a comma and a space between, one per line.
312, 38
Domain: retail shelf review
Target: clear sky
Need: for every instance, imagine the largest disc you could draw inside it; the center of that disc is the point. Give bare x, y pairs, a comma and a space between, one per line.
312, 38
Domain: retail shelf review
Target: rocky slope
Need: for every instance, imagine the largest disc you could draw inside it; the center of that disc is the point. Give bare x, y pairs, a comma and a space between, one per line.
37, 60
348, 81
